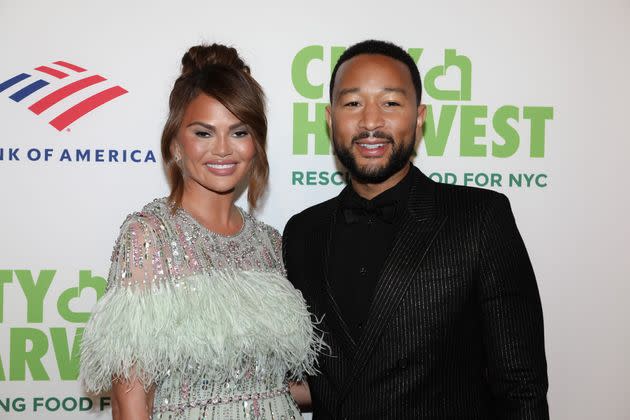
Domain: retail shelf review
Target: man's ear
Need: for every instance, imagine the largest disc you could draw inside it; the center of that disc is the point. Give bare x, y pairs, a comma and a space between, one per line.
422, 113
329, 121
328, 118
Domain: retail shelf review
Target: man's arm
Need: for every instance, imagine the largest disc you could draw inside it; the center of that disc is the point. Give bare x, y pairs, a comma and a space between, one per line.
512, 318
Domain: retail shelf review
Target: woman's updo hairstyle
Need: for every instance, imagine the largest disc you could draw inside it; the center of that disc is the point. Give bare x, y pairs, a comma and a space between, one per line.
219, 72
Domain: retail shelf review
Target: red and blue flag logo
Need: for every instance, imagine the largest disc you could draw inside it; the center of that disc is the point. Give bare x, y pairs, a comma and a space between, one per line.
55, 73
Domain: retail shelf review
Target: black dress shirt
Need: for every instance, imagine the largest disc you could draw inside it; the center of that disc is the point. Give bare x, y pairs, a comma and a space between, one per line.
362, 238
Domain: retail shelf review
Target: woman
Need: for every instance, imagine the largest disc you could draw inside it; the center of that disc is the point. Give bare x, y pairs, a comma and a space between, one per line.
198, 320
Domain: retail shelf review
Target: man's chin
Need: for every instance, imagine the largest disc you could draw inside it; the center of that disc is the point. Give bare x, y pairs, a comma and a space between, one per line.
371, 170
372, 165
369, 174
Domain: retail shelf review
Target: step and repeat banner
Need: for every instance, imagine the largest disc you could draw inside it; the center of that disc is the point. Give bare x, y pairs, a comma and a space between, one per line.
527, 99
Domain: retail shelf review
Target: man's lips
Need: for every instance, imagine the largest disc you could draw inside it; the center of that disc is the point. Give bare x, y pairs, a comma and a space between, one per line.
372, 148
376, 136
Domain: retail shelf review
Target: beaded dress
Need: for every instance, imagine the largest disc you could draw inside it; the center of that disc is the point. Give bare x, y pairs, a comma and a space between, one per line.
210, 320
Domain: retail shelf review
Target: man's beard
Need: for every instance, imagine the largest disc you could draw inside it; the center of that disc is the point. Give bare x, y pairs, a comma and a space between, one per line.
401, 153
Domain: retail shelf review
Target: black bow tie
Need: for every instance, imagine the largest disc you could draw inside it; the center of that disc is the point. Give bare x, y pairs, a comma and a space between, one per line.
355, 213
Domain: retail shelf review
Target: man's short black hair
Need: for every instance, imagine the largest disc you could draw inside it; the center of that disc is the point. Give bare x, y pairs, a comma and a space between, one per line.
385, 48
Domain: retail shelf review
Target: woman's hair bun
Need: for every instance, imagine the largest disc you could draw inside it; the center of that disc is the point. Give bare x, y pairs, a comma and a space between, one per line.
201, 56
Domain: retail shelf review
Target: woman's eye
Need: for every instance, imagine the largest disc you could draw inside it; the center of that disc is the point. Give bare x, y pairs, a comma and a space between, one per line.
202, 134
240, 133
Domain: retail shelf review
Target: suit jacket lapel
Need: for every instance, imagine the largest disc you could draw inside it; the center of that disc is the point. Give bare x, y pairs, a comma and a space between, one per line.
333, 316
418, 228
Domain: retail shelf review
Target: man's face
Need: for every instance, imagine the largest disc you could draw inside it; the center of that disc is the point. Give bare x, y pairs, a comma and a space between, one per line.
373, 117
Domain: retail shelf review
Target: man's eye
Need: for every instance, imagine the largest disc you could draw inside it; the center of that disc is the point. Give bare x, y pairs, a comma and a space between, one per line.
392, 103
351, 103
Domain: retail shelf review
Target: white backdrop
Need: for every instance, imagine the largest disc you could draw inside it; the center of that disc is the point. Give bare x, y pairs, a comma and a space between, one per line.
557, 69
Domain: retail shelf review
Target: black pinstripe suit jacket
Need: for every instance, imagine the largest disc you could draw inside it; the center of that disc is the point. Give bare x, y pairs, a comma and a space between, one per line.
455, 330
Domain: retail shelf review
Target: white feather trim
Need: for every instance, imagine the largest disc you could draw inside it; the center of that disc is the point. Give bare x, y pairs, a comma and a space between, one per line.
206, 325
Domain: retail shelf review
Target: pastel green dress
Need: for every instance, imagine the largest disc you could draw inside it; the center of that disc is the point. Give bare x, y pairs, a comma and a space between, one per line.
209, 320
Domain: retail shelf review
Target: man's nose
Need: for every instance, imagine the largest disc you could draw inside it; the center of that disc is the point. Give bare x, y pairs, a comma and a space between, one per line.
371, 117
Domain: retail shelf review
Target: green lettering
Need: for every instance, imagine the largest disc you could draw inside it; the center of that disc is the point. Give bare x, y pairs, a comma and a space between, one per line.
20, 357
299, 71
516, 180
302, 127
451, 59
86, 280
436, 136
67, 361
505, 131
323, 178
470, 130
337, 178
310, 178
6, 276
538, 115
415, 53
2, 376
35, 292
335, 53
297, 178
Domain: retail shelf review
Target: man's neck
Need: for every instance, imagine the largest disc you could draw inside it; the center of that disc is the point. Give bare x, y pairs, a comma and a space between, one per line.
369, 191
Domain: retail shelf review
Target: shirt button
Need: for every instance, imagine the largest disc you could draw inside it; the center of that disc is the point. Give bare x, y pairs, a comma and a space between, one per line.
403, 363
363, 271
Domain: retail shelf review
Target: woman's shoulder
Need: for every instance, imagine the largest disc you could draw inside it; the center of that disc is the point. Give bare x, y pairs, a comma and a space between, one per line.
152, 217
148, 226
261, 227
270, 241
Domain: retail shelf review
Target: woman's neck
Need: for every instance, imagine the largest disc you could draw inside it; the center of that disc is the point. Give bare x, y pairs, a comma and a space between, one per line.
215, 211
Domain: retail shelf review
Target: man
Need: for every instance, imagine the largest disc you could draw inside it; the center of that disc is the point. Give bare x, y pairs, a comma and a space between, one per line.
427, 295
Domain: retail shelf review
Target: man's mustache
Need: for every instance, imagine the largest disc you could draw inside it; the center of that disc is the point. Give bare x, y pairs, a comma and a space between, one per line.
373, 134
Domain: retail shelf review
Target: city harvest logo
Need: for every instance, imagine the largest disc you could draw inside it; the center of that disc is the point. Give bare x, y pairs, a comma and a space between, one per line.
29, 340
481, 131
62, 93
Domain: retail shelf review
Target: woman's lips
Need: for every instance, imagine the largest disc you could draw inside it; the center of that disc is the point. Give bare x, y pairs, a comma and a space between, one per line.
221, 168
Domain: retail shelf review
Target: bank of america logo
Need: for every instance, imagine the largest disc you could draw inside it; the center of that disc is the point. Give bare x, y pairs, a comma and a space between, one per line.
55, 73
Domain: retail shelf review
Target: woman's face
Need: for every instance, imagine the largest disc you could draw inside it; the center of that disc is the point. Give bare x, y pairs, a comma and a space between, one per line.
215, 149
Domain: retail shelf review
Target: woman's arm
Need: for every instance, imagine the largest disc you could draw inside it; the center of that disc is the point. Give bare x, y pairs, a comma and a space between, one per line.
301, 394
130, 401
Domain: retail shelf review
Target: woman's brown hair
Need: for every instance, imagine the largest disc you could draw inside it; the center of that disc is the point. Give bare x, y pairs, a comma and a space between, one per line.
219, 72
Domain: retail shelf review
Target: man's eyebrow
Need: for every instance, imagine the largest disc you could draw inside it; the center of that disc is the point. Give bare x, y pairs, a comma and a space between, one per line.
347, 91
396, 89
385, 89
